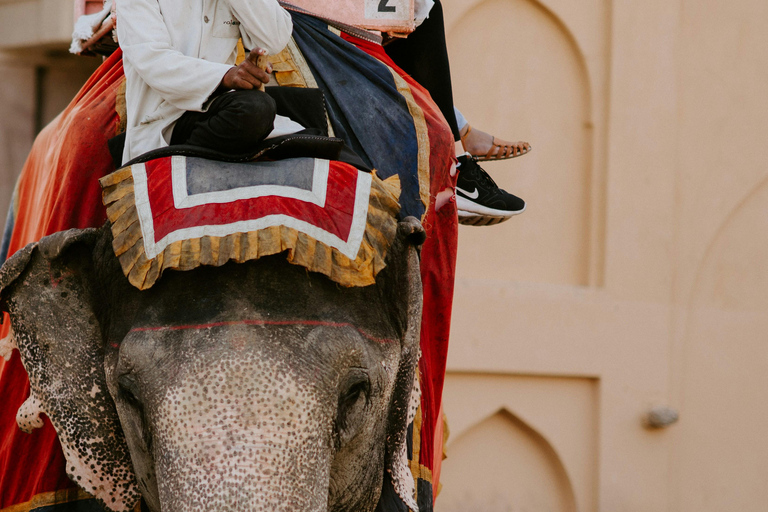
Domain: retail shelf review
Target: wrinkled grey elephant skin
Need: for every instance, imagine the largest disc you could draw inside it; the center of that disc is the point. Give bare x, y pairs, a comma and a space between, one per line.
248, 387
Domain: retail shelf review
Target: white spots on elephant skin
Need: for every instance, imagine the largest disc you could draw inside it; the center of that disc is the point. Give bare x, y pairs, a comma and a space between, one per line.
84, 467
402, 479
7, 345
66, 385
230, 436
28, 417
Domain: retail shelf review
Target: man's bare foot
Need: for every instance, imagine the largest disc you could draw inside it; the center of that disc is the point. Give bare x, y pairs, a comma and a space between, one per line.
485, 146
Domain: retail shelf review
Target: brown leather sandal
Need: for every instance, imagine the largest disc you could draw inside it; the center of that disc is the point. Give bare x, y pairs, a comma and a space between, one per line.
500, 150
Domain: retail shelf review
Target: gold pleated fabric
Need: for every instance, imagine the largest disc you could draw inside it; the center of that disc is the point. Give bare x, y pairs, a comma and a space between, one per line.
300, 248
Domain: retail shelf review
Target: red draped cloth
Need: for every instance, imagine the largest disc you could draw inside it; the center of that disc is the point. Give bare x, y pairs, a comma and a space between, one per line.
58, 190
438, 267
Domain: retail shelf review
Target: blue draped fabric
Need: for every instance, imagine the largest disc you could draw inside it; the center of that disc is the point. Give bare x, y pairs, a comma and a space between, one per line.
10, 220
364, 105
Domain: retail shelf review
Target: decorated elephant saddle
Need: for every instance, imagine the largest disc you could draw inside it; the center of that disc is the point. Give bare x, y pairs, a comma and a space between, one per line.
180, 212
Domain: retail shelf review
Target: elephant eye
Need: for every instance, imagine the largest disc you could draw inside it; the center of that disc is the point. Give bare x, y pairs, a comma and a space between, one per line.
128, 388
352, 402
358, 389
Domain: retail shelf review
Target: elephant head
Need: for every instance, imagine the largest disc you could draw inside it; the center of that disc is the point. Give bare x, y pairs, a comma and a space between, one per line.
253, 386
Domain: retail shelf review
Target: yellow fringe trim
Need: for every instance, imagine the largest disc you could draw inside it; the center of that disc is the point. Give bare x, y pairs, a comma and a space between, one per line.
142, 272
287, 72
48, 499
418, 470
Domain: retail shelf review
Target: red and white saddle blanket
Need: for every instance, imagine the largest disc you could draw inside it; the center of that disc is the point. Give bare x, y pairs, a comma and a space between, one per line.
180, 212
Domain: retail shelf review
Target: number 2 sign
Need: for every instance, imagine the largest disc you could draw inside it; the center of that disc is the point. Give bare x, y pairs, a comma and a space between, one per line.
383, 15
385, 7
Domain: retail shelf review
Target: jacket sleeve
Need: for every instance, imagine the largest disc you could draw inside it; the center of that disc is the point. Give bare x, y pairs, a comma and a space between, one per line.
263, 24
185, 82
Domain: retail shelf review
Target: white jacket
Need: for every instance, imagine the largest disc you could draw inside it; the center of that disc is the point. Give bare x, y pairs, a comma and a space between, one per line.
175, 53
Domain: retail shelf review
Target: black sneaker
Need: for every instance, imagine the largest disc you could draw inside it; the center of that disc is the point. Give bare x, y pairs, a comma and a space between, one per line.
479, 199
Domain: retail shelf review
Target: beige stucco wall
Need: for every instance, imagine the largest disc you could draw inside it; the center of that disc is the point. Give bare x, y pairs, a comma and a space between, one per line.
637, 277
36, 83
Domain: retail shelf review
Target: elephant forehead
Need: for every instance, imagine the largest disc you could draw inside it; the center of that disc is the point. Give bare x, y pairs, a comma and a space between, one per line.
250, 392
244, 419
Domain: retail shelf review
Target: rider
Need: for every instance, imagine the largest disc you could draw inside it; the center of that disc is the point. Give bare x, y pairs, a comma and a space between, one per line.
424, 56
179, 56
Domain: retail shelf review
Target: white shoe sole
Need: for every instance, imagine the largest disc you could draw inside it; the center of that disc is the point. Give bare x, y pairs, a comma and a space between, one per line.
469, 209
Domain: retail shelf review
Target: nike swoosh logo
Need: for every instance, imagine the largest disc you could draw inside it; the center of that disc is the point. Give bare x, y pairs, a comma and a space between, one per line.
472, 195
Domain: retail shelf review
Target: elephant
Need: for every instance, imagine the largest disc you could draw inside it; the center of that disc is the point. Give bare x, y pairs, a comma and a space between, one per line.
250, 386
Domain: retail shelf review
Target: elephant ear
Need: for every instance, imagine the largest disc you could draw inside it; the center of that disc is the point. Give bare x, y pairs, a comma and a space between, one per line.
48, 289
402, 285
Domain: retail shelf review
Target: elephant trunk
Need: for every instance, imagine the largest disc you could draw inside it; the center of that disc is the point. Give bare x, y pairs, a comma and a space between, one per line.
243, 434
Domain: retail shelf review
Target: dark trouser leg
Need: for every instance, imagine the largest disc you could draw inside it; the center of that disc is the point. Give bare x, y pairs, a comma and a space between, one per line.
424, 56
235, 123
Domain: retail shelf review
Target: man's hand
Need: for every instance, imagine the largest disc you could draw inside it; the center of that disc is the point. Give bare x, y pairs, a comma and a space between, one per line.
249, 74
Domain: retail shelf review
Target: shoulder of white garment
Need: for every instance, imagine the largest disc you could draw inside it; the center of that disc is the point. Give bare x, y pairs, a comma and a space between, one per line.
264, 24
421, 9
